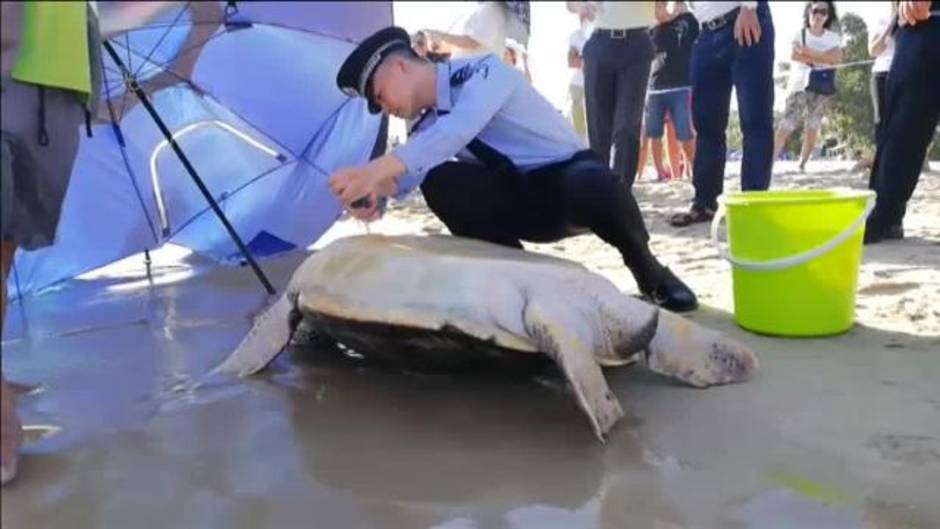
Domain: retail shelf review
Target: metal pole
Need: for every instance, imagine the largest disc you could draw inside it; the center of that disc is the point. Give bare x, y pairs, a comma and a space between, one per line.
132, 85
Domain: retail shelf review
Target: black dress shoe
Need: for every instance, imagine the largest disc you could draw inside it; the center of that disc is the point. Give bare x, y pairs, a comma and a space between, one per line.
672, 294
891, 233
695, 215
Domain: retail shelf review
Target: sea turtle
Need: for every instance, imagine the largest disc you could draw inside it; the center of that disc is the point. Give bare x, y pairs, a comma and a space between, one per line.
449, 302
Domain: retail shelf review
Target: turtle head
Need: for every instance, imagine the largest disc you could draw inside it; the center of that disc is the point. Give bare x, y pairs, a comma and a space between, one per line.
698, 356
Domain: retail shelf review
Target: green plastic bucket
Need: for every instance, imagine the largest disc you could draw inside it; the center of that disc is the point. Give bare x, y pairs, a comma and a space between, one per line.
794, 257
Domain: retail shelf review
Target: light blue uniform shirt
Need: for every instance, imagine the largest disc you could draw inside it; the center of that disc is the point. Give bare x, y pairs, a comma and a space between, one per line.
481, 97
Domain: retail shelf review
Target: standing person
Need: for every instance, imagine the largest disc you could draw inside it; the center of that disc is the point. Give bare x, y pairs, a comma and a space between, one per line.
486, 30
734, 49
881, 48
576, 42
815, 45
494, 159
50, 67
670, 86
911, 113
676, 168
616, 70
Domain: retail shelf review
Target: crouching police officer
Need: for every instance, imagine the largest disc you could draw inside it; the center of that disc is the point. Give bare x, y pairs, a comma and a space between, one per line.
495, 161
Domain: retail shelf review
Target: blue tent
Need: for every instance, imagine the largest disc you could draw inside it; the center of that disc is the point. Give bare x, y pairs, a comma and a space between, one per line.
247, 90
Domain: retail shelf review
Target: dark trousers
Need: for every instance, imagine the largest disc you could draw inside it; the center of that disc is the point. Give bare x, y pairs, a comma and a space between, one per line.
911, 111
616, 72
718, 64
544, 205
877, 86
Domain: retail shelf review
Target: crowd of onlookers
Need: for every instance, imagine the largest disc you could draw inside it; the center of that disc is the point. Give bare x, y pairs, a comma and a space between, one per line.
656, 78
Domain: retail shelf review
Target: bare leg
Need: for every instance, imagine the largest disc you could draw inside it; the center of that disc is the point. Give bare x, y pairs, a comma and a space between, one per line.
672, 148
809, 142
11, 430
641, 163
781, 140
656, 147
688, 148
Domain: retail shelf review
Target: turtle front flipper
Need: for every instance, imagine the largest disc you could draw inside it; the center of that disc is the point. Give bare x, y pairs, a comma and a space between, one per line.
562, 334
698, 356
268, 337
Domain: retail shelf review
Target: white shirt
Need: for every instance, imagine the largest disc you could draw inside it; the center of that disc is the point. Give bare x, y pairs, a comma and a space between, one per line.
488, 26
799, 72
705, 11
621, 15
882, 62
577, 40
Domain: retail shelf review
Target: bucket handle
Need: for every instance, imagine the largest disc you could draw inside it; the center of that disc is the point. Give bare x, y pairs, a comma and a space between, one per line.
793, 260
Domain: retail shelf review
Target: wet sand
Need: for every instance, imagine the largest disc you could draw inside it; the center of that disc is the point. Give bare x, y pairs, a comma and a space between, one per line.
841, 432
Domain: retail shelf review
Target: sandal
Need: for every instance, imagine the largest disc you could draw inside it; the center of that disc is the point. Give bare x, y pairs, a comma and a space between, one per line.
695, 215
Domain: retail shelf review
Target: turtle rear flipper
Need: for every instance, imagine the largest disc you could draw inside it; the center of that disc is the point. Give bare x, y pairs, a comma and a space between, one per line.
268, 337
554, 328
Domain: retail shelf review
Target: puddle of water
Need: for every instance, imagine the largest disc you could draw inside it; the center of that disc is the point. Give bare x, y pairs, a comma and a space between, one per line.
789, 509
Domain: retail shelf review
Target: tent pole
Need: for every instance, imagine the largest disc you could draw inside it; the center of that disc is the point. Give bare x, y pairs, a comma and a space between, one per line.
132, 85
147, 263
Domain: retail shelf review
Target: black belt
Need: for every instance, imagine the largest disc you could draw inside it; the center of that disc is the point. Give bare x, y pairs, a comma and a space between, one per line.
619, 33
721, 21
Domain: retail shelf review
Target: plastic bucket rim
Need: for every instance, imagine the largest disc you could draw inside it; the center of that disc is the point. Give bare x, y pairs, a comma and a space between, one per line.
811, 197
799, 259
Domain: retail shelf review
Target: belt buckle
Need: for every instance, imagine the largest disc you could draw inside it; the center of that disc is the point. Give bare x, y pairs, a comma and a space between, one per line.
618, 33
715, 23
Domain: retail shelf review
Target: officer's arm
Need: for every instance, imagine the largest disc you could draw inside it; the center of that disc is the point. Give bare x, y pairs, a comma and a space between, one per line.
481, 97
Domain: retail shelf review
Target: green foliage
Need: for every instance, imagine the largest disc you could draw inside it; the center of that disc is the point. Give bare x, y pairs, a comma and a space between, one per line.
850, 115
735, 139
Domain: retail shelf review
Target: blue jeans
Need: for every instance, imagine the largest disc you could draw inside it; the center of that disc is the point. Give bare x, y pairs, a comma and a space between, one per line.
676, 102
718, 64
911, 113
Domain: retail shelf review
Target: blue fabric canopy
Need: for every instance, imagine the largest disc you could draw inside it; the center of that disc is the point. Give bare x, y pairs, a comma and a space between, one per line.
248, 91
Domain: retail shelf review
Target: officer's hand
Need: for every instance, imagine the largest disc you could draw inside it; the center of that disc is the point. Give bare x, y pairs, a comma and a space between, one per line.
369, 208
747, 27
910, 13
350, 184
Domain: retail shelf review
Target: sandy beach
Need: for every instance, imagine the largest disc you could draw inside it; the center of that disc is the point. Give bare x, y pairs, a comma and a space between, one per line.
840, 432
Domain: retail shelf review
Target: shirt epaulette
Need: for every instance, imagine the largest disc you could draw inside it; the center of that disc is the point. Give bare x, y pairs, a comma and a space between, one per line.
466, 72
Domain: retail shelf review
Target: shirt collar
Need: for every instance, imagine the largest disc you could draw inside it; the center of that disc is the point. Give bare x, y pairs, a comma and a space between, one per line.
443, 87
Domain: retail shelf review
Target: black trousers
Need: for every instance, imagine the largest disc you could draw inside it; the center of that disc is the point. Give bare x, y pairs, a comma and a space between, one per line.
911, 112
877, 85
616, 73
544, 205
